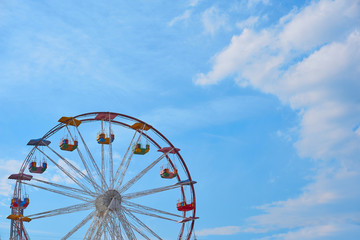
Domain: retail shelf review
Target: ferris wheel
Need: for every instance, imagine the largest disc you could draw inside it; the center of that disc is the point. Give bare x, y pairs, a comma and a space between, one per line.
103, 175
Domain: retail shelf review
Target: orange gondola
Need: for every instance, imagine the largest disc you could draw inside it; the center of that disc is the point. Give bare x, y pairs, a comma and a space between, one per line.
183, 206
137, 149
64, 145
104, 139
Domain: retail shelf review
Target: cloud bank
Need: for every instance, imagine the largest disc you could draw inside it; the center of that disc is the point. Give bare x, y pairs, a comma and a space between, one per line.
310, 61
229, 230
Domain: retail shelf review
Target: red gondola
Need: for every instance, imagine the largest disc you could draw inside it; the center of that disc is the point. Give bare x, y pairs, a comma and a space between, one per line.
183, 206
166, 173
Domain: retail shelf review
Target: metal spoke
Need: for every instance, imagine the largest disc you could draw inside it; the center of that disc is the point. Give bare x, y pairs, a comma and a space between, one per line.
111, 164
149, 214
141, 174
102, 153
80, 225
68, 194
112, 234
65, 187
64, 210
127, 228
92, 160
122, 163
143, 225
138, 230
101, 230
92, 228
124, 170
111, 228
104, 232
87, 169
102, 162
150, 191
103, 220
114, 229
150, 209
66, 172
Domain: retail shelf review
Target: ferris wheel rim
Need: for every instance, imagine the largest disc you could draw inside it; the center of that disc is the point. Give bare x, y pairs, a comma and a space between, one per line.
187, 172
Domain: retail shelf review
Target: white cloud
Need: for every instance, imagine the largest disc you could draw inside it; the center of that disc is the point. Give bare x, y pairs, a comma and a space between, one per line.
324, 84
237, 56
317, 214
213, 20
186, 15
309, 61
320, 23
229, 230
272, 45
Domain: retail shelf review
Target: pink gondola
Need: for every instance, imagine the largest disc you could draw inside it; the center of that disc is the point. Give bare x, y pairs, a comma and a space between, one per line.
37, 169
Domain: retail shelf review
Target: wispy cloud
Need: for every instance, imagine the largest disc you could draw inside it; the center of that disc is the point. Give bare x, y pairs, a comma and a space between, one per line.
205, 114
7, 167
59, 176
186, 15
213, 20
250, 22
193, 3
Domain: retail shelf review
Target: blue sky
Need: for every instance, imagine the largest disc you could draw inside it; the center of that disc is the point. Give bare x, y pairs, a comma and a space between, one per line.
260, 95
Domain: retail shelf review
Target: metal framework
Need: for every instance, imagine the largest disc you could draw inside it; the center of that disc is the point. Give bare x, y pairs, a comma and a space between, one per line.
101, 183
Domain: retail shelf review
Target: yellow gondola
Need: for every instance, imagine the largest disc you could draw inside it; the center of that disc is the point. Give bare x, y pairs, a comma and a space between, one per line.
137, 149
64, 145
103, 139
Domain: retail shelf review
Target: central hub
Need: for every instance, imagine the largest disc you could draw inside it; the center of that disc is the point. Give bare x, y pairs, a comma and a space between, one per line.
109, 200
